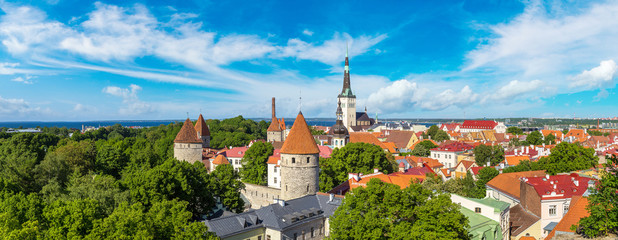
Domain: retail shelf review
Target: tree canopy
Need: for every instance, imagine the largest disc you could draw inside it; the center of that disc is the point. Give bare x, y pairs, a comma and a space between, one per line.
436, 134
603, 218
352, 158
565, 157
535, 138
254, 168
384, 211
113, 182
423, 148
514, 130
492, 154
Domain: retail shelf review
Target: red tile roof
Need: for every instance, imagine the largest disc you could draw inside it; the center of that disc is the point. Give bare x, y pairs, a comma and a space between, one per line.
478, 124
558, 186
454, 147
300, 140
475, 170
237, 152
450, 126
187, 134
366, 137
201, 127
325, 151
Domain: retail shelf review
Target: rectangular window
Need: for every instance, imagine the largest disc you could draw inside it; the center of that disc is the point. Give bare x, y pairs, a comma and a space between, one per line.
566, 209
552, 210
293, 160
275, 169
477, 210
275, 180
312, 232
307, 159
295, 236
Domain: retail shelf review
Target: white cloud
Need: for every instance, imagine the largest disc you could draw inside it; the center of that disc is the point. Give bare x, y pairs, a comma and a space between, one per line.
331, 51
8, 68
25, 80
84, 108
131, 103
308, 32
597, 77
514, 89
11, 107
464, 98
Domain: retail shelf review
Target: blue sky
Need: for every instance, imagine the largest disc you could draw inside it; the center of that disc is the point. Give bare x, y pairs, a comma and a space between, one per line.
79, 60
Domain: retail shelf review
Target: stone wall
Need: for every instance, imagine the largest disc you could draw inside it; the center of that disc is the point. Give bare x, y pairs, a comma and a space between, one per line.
190, 152
260, 196
205, 141
274, 136
303, 231
299, 175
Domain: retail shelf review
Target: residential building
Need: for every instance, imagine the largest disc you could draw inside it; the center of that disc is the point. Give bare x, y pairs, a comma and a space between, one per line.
576, 212
306, 217
235, 155
462, 168
505, 187
481, 125
447, 154
489, 208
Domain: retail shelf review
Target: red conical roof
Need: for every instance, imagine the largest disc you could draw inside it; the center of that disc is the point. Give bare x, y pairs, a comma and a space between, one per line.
300, 140
274, 126
187, 134
220, 159
201, 127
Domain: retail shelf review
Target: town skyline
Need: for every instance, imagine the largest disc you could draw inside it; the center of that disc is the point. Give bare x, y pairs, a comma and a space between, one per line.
79, 61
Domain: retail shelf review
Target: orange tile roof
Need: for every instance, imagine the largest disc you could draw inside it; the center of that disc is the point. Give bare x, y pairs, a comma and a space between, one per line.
432, 163
187, 133
366, 138
220, 159
201, 127
509, 182
467, 164
557, 134
401, 180
274, 125
527, 238
300, 140
273, 159
390, 146
515, 160
576, 211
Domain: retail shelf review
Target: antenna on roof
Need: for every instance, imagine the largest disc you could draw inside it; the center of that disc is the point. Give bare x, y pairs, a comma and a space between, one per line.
300, 100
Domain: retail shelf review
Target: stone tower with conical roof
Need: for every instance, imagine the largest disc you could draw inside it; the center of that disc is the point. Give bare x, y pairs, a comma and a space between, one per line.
187, 145
341, 136
347, 98
299, 162
276, 130
203, 133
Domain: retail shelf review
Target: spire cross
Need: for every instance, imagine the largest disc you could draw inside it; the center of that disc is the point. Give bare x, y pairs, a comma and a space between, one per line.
300, 100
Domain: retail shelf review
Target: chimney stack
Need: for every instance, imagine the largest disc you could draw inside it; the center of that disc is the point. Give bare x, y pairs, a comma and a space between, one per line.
274, 108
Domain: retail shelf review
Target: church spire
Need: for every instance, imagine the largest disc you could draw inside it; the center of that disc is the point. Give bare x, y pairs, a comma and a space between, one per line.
346, 90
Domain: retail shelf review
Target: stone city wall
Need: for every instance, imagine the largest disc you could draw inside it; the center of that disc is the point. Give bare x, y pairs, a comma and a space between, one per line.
260, 196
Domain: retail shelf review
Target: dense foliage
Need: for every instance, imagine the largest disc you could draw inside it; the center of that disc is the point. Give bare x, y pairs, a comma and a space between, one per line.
492, 154
384, 211
460, 186
515, 130
436, 134
254, 168
352, 158
235, 132
603, 219
423, 148
565, 157
113, 182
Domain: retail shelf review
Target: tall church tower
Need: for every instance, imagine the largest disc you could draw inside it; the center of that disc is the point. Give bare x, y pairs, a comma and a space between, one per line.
203, 132
299, 162
341, 136
347, 98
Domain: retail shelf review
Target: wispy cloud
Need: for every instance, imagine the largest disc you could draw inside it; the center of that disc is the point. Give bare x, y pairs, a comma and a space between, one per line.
598, 77
131, 105
24, 80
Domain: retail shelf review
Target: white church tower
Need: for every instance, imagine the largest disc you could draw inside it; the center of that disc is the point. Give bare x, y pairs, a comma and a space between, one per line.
347, 98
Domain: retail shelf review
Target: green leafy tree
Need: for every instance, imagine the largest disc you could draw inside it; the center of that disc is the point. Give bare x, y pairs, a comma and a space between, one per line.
485, 175
492, 154
21, 215
228, 187
352, 158
384, 211
550, 139
566, 157
422, 149
173, 180
73, 219
535, 138
254, 168
440, 136
603, 219
80, 156
102, 188
514, 130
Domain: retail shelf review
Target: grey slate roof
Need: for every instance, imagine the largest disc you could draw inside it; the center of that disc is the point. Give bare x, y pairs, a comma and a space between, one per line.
274, 216
550, 226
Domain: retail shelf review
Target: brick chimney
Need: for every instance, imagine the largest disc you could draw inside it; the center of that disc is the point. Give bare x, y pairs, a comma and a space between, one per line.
273, 107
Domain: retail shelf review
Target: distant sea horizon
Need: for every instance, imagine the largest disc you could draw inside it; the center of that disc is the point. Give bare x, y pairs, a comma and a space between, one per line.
326, 122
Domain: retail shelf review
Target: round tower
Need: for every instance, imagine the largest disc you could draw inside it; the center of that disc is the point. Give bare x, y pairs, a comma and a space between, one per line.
300, 158
187, 146
341, 137
275, 133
